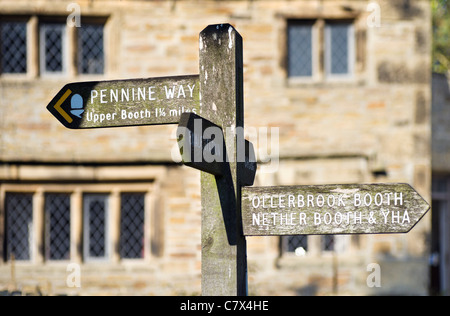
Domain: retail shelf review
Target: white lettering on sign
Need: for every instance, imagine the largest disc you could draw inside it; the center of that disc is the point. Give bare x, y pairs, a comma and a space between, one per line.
331, 209
124, 95
392, 217
379, 199
115, 105
328, 218
328, 209
298, 201
99, 118
310, 200
92, 116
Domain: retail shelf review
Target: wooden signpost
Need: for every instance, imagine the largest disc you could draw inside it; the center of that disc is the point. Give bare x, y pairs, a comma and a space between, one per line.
331, 209
152, 101
224, 248
209, 109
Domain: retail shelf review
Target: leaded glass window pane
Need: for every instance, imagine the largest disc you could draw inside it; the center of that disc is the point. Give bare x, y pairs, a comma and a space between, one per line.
95, 226
19, 221
132, 225
297, 242
57, 211
13, 47
91, 49
300, 50
328, 242
53, 48
338, 48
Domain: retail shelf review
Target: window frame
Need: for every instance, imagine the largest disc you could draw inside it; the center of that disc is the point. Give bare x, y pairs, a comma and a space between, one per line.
47, 227
322, 52
351, 48
27, 20
31, 229
78, 57
144, 223
113, 190
86, 228
43, 26
341, 244
35, 49
314, 50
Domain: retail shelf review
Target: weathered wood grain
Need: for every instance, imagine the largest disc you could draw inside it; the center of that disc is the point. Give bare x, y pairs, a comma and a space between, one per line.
224, 255
331, 209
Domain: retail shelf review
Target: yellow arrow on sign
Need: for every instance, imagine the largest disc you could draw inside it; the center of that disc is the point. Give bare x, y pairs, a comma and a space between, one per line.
60, 110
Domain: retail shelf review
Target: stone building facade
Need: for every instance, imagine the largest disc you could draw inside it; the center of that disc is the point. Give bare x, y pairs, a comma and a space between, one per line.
344, 87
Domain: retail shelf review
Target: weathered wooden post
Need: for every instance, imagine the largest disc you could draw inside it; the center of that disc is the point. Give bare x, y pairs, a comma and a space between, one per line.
224, 262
